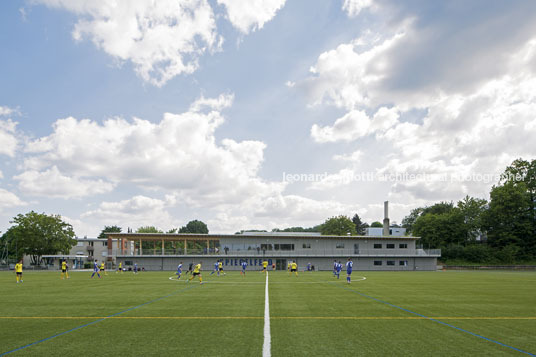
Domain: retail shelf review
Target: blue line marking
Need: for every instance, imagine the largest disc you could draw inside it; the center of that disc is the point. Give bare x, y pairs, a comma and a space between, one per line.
440, 322
94, 322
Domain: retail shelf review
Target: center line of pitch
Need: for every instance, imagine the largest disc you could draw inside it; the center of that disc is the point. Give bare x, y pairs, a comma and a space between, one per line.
266, 347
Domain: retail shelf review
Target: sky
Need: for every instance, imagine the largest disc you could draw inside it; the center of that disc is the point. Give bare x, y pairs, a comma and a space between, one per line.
258, 114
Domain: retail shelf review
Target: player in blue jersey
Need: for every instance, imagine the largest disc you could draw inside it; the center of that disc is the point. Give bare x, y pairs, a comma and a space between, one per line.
309, 266
95, 269
335, 268
135, 268
338, 269
179, 271
215, 268
349, 266
244, 266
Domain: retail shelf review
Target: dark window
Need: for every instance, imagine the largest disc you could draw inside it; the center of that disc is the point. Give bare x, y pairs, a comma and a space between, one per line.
390, 262
403, 245
339, 245
377, 262
390, 246
377, 246
266, 247
306, 245
90, 244
286, 246
403, 263
276, 246
105, 244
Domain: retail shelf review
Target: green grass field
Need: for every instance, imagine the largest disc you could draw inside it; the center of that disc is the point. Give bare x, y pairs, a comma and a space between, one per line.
389, 313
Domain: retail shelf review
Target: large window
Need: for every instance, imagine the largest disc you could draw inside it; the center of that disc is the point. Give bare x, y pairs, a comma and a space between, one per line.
403, 263
283, 246
377, 246
266, 247
390, 262
390, 246
306, 246
377, 262
339, 245
403, 245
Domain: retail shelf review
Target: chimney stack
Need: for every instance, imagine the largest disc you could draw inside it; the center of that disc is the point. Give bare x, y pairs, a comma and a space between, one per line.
386, 218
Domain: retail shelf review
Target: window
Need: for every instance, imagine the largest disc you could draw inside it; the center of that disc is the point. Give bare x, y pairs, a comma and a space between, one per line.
403, 263
377, 246
266, 247
286, 246
377, 262
105, 244
339, 245
306, 245
403, 245
390, 262
390, 246
80, 244
90, 244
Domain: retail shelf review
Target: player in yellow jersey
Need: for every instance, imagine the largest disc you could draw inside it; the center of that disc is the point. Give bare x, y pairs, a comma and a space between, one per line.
120, 268
264, 266
103, 269
64, 273
197, 272
288, 267
18, 271
294, 268
220, 268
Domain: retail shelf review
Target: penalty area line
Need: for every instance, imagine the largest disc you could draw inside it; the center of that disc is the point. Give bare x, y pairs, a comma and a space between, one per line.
266, 347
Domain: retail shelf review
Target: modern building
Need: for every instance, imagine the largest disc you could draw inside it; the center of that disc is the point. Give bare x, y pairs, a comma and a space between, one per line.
165, 251
85, 252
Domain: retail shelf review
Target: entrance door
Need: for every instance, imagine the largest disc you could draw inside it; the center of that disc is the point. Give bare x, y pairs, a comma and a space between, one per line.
281, 264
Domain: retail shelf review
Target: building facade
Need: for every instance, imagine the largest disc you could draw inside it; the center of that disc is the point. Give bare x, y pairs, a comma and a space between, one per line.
166, 251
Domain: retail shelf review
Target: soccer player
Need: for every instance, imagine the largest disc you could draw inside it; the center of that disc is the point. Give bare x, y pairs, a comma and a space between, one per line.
215, 268
335, 268
135, 268
179, 271
294, 268
309, 266
349, 266
95, 269
264, 266
288, 266
220, 268
120, 268
197, 272
103, 269
64, 272
244, 266
18, 271
338, 270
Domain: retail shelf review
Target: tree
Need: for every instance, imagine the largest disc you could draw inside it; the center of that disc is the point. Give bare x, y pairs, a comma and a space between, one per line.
441, 229
376, 224
38, 234
148, 229
359, 225
194, 226
410, 219
338, 226
109, 229
472, 210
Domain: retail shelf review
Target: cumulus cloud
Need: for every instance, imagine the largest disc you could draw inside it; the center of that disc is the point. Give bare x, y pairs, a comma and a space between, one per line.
135, 212
9, 199
251, 15
8, 137
7, 111
468, 72
52, 183
162, 38
217, 104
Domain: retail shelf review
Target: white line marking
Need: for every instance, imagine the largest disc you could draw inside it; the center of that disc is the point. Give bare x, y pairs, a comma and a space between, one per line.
266, 347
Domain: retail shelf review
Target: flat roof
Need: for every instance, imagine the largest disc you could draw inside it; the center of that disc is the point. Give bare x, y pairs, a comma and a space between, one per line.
192, 236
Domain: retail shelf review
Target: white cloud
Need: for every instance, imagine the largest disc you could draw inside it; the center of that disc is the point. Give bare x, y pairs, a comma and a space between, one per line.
9, 199
217, 104
7, 111
135, 212
474, 83
354, 125
8, 138
250, 15
52, 183
354, 7
162, 39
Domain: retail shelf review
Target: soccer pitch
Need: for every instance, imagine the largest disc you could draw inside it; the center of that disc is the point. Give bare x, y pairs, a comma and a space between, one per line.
313, 314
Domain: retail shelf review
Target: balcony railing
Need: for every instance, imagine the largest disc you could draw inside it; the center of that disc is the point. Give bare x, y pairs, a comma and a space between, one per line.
334, 252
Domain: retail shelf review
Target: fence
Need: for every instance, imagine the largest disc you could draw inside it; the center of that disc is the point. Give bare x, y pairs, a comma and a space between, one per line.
489, 267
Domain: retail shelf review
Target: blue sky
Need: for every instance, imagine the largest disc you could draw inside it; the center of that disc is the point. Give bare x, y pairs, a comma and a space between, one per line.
136, 114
